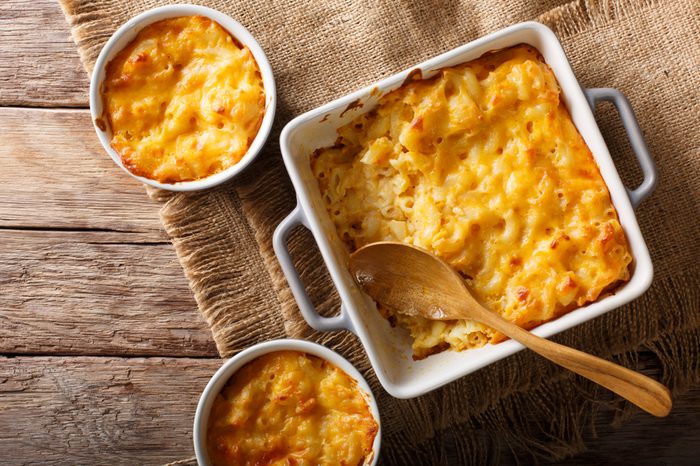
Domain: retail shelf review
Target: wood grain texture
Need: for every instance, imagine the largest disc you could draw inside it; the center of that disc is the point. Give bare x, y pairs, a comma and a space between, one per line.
55, 174
87, 292
67, 411
96, 293
39, 64
92, 410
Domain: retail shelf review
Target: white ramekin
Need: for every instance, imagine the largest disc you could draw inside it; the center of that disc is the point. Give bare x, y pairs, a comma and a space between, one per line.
125, 34
389, 348
217, 382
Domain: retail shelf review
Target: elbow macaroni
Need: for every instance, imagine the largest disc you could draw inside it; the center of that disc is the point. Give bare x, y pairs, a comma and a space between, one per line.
290, 408
184, 100
483, 166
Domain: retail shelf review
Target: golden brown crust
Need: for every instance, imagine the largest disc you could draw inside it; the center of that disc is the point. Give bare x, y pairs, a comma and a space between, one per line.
289, 407
482, 165
184, 100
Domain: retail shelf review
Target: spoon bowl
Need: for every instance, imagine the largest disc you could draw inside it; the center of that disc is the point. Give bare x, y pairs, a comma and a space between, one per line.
410, 280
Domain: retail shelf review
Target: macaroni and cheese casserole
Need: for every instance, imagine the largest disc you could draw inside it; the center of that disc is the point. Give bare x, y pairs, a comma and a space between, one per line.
184, 100
290, 408
483, 166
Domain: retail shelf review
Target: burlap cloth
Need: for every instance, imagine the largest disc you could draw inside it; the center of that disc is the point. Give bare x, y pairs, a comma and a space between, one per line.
321, 50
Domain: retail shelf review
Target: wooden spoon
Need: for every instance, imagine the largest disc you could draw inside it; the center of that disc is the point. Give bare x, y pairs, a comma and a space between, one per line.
412, 281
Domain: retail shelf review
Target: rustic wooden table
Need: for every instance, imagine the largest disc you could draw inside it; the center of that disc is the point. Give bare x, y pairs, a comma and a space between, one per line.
103, 351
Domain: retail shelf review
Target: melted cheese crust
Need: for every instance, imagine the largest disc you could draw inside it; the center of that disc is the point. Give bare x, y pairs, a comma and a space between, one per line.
184, 100
483, 166
288, 408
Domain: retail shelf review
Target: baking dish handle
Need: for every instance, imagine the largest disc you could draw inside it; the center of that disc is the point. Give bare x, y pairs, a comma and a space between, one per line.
634, 133
308, 311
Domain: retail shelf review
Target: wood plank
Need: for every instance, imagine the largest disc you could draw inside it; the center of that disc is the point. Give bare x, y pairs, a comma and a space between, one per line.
67, 411
56, 174
139, 411
39, 63
93, 293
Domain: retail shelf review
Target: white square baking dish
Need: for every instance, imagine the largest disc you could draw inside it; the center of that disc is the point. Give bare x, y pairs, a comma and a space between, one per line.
389, 349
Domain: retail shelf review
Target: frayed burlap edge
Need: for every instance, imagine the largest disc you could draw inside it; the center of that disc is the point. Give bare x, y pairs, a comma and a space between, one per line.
227, 310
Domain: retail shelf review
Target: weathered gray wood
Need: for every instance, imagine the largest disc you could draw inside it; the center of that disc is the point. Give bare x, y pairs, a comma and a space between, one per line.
54, 173
99, 410
39, 64
96, 293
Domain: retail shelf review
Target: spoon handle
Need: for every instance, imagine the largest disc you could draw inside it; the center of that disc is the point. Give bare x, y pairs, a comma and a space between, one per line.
639, 389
